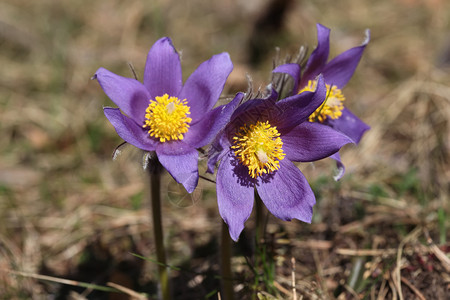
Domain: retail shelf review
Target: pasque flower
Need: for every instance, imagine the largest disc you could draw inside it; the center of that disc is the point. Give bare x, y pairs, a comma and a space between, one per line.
257, 149
165, 116
336, 73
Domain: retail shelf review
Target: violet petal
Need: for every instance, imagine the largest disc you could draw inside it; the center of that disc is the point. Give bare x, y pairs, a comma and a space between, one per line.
340, 166
203, 88
296, 109
350, 125
174, 147
312, 141
128, 94
217, 150
341, 68
182, 167
254, 109
318, 57
203, 132
292, 70
162, 73
129, 131
234, 197
287, 194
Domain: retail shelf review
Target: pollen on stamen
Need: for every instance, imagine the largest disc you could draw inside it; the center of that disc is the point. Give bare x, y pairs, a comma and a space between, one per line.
170, 107
262, 156
259, 147
332, 106
167, 118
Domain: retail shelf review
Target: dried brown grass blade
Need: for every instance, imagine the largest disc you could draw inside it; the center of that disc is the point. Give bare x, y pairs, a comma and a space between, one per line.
366, 252
63, 281
125, 290
396, 274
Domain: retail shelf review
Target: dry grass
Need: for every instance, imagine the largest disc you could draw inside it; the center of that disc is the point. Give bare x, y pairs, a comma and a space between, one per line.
70, 212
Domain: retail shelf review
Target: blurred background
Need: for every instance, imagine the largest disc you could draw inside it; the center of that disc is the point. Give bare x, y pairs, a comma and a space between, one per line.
69, 211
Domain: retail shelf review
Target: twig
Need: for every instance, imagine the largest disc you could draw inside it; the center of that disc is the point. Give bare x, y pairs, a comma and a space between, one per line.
281, 288
366, 252
382, 292
397, 278
351, 291
294, 290
319, 268
125, 290
437, 252
63, 281
207, 179
314, 244
413, 288
133, 70
392, 286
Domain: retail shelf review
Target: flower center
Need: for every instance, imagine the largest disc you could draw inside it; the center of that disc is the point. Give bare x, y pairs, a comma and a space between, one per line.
258, 146
332, 106
167, 118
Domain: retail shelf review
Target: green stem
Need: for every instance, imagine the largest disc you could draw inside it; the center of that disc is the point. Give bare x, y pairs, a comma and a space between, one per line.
260, 222
259, 237
155, 170
226, 278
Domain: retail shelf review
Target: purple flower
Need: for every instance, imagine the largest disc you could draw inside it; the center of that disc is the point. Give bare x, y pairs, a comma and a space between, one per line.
163, 115
257, 149
336, 73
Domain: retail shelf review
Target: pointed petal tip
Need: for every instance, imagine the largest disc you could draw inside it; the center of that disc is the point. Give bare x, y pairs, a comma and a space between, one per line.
189, 188
190, 181
182, 167
101, 71
235, 231
162, 42
340, 168
225, 59
366, 38
225, 55
164, 39
162, 72
234, 237
293, 70
339, 173
320, 81
321, 27
321, 87
308, 220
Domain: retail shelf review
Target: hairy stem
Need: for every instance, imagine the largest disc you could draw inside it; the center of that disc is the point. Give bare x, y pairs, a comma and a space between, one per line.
155, 170
260, 219
226, 278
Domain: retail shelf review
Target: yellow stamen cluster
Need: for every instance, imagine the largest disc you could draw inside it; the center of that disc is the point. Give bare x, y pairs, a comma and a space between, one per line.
167, 118
259, 147
332, 106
